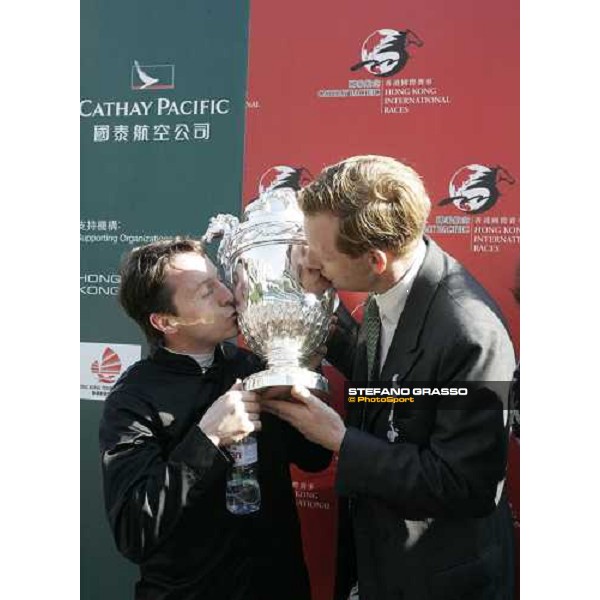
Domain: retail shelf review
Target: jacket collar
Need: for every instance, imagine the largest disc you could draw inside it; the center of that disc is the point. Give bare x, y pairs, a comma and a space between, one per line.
405, 343
186, 364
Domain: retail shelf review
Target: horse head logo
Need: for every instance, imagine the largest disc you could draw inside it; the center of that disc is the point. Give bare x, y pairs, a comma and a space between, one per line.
384, 52
283, 176
474, 188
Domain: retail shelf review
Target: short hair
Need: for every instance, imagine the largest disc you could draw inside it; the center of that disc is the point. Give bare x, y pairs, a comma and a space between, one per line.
143, 288
381, 203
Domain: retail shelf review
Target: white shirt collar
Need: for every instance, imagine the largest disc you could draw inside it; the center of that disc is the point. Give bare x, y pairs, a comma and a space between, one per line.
205, 361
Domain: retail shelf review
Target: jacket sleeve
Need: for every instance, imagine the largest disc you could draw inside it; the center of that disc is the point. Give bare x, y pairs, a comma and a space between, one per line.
145, 490
341, 345
306, 455
458, 473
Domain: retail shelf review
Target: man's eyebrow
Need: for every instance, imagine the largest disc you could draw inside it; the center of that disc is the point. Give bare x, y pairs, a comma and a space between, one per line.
209, 279
201, 284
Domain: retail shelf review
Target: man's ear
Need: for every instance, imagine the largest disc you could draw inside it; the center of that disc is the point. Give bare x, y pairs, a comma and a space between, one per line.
163, 323
378, 260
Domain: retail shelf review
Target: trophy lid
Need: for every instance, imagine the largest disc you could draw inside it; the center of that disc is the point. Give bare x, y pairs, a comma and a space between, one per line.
274, 205
273, 218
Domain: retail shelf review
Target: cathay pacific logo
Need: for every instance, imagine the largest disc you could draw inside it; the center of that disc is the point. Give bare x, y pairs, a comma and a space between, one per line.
152, 77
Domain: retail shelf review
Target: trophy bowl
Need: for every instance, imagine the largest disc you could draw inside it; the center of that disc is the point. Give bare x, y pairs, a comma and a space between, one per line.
263, 260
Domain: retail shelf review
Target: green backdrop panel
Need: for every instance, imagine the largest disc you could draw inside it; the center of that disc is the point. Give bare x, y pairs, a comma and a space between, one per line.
162, 120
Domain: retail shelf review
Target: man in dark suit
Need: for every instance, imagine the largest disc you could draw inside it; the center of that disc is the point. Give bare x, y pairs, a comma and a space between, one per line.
423, 507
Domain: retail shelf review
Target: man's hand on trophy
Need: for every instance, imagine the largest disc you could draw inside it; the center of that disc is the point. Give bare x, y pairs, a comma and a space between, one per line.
309, 276
232, 416
314, 419
313, 281
332, 325
317, 358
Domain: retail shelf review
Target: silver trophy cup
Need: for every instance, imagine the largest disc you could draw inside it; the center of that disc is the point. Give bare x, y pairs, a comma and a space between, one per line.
262, 258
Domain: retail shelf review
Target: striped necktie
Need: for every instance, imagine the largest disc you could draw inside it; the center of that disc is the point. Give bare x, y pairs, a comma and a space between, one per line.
372, 328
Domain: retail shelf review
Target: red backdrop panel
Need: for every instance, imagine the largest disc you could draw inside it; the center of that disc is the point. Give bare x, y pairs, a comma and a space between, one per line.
450, 110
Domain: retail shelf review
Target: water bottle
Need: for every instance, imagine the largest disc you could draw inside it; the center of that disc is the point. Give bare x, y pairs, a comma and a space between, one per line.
242, 492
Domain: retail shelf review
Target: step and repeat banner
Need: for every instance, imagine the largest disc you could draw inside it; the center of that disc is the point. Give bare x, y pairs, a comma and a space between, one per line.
162, 130
192, 108
432, 83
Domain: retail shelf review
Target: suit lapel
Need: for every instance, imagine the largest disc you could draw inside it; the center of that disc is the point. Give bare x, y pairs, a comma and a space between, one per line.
404, 350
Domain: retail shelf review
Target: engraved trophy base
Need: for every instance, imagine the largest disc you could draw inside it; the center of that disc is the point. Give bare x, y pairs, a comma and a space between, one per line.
282, 379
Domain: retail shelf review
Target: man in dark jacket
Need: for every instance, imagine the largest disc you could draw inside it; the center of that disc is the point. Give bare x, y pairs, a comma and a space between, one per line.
164, 435
424, 513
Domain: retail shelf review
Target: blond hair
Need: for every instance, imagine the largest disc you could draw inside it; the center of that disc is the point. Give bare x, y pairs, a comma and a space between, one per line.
381, 203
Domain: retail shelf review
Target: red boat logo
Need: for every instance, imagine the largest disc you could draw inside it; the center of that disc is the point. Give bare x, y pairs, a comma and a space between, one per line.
108, 368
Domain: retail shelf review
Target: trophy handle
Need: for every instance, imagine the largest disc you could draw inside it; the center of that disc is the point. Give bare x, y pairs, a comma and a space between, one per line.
222, 227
